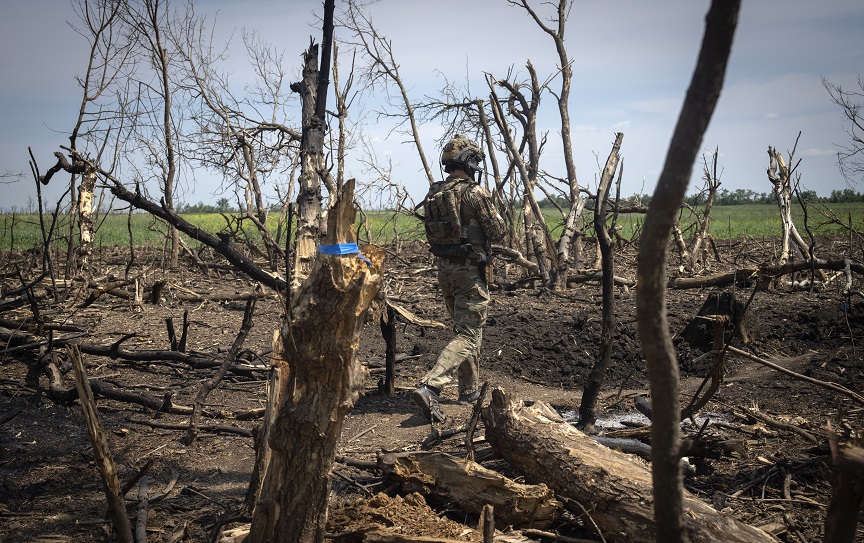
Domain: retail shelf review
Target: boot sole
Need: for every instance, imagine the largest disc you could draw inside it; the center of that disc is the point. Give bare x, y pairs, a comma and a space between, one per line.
425, 407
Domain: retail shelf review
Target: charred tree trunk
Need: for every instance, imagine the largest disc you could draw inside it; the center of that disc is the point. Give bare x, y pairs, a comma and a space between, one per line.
388, 332
313, 93
613, 486
71, 253
699, 332
653, 325
587, 409
320, 380
309, 183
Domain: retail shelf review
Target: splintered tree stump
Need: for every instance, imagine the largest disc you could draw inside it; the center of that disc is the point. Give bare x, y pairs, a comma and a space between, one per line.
699, 332
614, 488
444, 478
320, 378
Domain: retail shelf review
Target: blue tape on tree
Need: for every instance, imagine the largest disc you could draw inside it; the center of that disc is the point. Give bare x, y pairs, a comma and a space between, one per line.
343, 249
339, 249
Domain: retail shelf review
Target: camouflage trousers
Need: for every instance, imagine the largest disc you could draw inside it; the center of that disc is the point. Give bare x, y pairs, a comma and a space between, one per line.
466, 296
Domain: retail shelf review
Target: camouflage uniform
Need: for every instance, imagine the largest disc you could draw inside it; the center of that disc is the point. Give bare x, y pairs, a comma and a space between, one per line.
461, 223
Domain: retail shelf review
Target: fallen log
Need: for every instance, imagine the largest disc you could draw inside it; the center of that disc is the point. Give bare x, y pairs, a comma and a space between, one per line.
446, 479
614, 487
740, 277
194, 359
212, 428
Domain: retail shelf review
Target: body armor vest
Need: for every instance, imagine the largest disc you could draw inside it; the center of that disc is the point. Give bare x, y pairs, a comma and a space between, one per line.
443, 212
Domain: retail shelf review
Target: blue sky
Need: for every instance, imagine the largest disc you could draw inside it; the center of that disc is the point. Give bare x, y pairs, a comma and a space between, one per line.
632, 64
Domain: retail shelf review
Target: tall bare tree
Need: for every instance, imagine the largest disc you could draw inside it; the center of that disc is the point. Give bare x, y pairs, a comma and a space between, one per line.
652, 322
244, 138
571, 234
383, 70
850, 157
158, 124
99, 125
597, 376
522, 108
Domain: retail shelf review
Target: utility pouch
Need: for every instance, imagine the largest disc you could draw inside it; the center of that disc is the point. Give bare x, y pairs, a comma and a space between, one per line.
449, 249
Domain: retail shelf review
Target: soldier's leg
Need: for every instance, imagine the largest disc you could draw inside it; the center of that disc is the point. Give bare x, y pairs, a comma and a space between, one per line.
470, 306
469, 374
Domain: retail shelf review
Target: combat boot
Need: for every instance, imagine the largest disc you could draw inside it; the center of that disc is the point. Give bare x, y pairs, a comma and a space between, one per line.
426, 398
469, 398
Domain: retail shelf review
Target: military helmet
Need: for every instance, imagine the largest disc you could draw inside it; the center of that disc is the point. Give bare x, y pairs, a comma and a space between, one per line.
460, 152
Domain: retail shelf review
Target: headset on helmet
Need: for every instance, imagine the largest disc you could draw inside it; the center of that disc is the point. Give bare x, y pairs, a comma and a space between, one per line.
460, 152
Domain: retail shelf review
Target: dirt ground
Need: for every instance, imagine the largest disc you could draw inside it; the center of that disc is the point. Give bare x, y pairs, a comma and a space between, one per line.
538, 345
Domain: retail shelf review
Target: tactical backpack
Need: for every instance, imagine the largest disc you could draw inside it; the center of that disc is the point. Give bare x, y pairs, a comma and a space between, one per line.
443, 222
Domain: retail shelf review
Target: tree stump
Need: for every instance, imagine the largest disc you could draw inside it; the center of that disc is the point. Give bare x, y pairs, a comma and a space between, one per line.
699, 332
320, 378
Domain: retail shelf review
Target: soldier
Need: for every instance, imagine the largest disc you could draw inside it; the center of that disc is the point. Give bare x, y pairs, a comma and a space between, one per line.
461, 223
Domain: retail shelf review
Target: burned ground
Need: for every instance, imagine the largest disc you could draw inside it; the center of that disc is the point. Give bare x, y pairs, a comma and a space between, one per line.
538, 345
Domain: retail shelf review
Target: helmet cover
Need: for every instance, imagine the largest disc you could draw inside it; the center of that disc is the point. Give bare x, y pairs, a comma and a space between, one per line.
460, 152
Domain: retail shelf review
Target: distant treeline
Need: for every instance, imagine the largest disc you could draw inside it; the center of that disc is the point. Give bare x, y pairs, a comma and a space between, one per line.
223, 205
726, 197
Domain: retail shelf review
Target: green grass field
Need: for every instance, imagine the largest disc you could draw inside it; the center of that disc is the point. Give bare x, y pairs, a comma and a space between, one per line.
22, 232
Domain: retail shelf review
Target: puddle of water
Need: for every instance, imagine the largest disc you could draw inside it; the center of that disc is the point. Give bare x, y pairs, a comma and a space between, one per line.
617, 421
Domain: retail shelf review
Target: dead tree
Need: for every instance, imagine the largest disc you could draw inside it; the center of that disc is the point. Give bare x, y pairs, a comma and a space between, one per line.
697, 253
651, 315
571, 236
86, 225
780, 176
311, 163
849, 158
109, 56
320, 379
157, 129
538, 240
587, 408
246, 150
